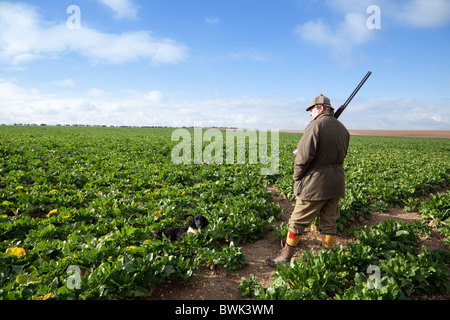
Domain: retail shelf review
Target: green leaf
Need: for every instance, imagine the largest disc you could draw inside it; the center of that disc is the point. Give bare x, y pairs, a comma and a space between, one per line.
25, 280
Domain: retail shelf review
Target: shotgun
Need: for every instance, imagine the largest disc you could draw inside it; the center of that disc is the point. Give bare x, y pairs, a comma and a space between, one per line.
342, 108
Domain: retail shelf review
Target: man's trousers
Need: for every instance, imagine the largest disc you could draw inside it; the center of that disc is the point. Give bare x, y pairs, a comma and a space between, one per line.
306, 211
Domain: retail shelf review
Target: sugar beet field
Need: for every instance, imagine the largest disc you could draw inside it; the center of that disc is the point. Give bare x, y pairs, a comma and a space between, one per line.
78, 206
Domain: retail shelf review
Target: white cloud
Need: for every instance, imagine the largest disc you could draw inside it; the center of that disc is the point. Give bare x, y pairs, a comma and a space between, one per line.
317, 32
155, 96
212, 20
25, 37
354, 28
122, 8
96, 93
19, 105
24, 58
97, 106
64, 83
345, 37
408, 114
249, 54
425, 13
416, 13
342, 39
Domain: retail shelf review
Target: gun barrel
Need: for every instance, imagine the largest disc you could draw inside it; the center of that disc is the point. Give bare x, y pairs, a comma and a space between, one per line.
342, 108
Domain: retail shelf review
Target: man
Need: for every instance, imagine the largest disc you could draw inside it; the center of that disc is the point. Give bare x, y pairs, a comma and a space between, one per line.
319, 180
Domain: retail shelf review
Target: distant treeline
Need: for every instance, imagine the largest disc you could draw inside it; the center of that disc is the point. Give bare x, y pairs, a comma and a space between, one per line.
111, 126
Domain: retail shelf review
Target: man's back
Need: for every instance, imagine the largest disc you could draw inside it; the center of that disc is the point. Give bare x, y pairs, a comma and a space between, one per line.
318, 169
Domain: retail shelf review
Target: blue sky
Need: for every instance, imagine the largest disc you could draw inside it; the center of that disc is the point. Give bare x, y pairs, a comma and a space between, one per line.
246, 63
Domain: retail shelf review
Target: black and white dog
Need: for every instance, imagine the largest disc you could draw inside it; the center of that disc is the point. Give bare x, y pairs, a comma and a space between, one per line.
175, 234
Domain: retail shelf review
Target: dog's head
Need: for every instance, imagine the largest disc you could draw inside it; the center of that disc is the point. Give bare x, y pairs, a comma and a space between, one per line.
198, 222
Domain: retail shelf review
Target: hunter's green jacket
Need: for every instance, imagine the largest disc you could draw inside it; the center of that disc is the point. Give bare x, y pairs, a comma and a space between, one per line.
318, 167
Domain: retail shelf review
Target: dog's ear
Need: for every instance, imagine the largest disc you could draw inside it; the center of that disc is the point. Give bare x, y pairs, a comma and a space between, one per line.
205, 222
192, 223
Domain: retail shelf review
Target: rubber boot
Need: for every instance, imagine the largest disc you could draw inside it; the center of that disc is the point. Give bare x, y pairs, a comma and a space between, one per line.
287, 252
328, 241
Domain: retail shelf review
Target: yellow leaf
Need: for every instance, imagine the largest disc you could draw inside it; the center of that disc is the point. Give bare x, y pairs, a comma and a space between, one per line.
46, 297
158, 213
53, 191
18, 252
52, 212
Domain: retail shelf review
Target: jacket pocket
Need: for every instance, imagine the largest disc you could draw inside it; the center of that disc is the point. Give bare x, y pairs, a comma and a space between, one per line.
298, 187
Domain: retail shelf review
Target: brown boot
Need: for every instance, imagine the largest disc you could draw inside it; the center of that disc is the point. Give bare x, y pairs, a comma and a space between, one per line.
287, 252
328, 241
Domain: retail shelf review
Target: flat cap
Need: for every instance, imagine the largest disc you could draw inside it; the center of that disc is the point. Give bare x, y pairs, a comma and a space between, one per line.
320, 100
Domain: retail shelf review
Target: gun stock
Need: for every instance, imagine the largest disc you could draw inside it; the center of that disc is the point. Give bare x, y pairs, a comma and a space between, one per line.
342, 108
